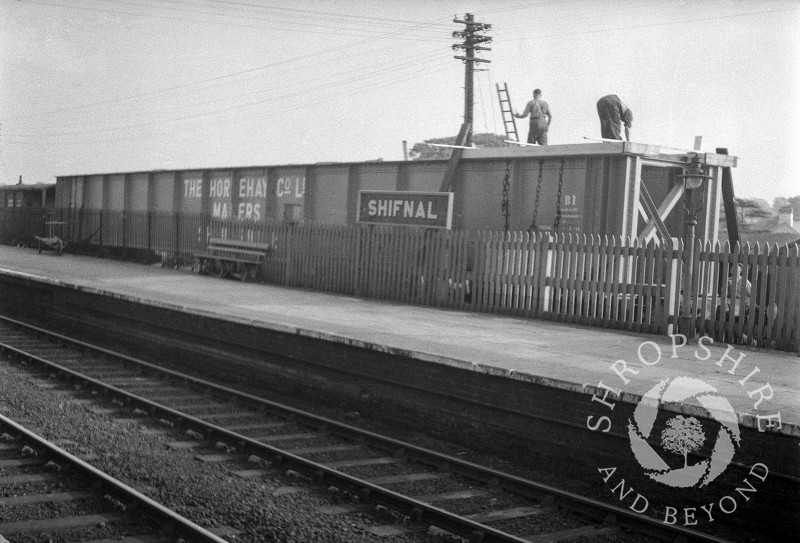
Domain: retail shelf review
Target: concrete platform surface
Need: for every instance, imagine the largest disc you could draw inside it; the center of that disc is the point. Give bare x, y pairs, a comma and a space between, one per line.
763, 384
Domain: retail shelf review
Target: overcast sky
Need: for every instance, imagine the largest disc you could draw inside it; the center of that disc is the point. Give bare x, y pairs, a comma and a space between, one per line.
100, 86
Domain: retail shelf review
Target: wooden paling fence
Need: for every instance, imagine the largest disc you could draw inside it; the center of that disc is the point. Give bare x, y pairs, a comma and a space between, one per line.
747, 294
19, 225
592, 280
742, 295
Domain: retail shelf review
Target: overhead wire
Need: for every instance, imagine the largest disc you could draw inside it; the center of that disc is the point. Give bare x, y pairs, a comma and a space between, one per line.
357, 78
354, 75
483, 106
305, 12
286, 96
311, 55
491, 100
298, 16
436, 68
539, 36
692, 20
325, 29
189, 84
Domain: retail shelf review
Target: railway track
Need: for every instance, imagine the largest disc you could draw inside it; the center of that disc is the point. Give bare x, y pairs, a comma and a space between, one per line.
46, 490
420, 486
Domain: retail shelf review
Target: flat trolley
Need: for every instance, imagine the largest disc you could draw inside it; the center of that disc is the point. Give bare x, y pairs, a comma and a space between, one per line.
52, 242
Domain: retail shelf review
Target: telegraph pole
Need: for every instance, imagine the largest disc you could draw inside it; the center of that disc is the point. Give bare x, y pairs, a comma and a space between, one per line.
472, 35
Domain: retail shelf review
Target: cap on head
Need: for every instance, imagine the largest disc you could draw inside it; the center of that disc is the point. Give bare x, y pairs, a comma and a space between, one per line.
537, 92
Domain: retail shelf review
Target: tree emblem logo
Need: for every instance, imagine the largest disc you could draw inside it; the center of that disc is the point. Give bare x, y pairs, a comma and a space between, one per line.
683, 435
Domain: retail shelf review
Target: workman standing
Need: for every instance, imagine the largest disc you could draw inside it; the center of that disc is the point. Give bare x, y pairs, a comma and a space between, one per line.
613, 113
540, 118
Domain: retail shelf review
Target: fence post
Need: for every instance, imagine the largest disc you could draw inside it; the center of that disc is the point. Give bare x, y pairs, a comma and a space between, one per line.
687, 321
149, 236
14, 224
177, 239
124, 235
65, 228
81, 215
289, 229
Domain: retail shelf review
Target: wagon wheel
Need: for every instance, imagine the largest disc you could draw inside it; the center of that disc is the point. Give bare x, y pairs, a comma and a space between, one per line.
242, 271
218, 269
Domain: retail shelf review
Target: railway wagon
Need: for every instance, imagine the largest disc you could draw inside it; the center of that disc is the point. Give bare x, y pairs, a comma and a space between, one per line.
24, 210
613, 188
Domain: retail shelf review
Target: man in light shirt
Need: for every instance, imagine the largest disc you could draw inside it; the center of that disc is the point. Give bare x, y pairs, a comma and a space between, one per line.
540, 118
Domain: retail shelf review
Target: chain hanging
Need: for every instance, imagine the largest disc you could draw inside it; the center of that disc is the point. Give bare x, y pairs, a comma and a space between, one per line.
506, 186
533, 226
557, 222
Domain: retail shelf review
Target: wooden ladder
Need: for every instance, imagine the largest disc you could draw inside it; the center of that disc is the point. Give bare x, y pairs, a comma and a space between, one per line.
508, 115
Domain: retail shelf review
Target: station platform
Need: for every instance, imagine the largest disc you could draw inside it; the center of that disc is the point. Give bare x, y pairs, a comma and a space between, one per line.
568, 357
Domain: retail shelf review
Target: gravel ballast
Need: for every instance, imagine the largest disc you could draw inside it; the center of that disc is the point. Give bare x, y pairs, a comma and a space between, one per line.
206, 493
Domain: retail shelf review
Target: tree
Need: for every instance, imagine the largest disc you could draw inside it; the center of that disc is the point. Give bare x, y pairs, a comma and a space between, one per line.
794, 201
424, 151
779, 202
682, 436
751, 209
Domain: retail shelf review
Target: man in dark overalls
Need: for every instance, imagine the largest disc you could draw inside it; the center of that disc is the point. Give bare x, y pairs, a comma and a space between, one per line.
540, 118
613, 113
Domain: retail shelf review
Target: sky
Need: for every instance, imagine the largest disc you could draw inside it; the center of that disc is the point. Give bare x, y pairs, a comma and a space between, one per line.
103, 86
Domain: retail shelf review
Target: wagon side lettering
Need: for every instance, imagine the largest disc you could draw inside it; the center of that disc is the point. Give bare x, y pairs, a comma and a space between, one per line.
261, 187
192, 188
281, 187
252, 187
249, 211
291, 186
220, 187
221, 210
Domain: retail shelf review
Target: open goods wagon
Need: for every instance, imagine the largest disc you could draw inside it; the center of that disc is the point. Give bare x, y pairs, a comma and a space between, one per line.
612, 188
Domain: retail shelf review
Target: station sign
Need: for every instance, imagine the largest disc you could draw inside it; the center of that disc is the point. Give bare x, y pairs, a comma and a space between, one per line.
401, 208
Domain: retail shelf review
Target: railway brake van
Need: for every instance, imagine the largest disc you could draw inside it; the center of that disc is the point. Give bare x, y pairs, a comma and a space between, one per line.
24, 212
613, 188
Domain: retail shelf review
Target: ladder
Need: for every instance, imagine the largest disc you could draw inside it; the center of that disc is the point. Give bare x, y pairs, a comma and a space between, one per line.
508, 115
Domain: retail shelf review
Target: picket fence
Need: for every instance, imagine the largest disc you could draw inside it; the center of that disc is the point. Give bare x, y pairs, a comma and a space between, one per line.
741, 295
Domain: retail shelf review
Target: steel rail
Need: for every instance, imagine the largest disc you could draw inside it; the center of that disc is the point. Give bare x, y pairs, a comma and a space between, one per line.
186, 528
422, 511
416, 510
